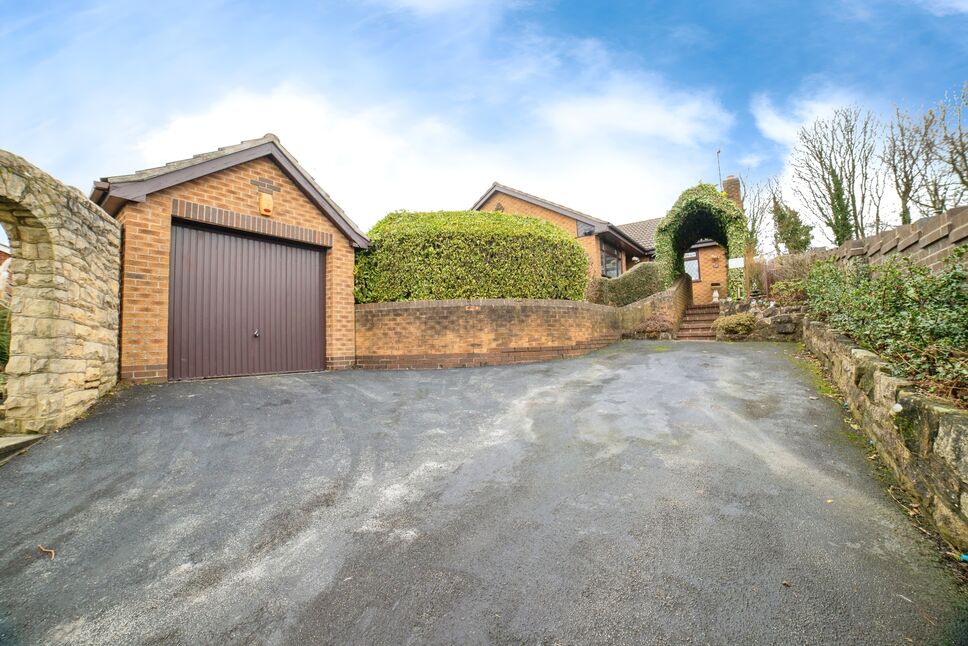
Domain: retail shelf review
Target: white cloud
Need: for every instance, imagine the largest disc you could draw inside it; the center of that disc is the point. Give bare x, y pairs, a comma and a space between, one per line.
751, 160
640, 107
430, 7
380, 158
782, 125
943, 7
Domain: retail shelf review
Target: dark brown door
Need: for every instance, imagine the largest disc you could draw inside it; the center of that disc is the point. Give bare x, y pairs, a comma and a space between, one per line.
243, 305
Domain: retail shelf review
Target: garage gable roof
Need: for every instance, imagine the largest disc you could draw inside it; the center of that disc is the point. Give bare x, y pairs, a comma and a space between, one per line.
111, 193
600, 226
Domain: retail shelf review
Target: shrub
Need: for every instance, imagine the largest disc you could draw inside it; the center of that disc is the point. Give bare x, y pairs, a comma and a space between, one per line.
736, 325
916, 320
789, 292
641, 281
655, 326
469, 254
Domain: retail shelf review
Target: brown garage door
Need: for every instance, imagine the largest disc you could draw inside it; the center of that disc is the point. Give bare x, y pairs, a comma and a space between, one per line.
243, 305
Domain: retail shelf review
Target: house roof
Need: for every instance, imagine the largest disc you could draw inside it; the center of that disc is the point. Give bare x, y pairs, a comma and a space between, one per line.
600, 226
112, 193
642, 231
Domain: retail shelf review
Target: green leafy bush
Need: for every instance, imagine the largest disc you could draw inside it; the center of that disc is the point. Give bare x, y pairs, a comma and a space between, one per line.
469, 254
641, 281
736, 325
916, 320
789, 292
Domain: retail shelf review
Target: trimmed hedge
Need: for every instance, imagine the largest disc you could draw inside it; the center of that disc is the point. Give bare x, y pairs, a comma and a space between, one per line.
737, 324
469, 254
641, 281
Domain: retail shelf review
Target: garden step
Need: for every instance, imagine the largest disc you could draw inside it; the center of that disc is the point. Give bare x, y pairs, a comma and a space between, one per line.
11, 444
700, 317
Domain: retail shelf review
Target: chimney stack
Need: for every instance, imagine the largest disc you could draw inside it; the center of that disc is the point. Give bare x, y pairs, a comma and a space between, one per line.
733, 190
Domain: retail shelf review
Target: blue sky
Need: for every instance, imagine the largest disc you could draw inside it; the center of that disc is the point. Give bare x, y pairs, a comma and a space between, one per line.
611, 108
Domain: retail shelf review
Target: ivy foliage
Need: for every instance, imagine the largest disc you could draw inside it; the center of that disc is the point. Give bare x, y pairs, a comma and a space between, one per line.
916, 320
468, 254
641, 281
700, 212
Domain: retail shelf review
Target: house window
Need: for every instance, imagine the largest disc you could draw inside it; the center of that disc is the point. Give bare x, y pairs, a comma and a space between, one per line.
611, 261
585, 229
691, 260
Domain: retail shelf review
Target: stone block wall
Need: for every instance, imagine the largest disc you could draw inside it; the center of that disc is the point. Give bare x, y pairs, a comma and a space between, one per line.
64, 308
464, 333
925, 440
773, 322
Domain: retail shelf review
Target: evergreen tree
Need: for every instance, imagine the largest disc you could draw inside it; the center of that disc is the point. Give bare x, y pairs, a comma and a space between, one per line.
788, 229
841, 221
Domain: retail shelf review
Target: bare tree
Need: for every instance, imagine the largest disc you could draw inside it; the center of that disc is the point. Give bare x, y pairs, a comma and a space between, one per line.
903, 155
757, 198
940, 187
836, 174
953, 116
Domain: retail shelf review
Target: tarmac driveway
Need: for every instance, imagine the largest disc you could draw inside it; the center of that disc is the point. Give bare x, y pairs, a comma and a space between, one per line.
647, 493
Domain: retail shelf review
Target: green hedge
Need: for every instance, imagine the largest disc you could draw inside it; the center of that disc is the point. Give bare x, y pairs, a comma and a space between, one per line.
916, 320
469, 254
641, 281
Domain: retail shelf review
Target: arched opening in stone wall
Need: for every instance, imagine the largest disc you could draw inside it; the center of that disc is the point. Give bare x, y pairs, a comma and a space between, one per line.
64, 279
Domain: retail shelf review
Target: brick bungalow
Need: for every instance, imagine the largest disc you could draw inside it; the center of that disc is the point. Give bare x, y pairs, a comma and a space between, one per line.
234, 262
705, 261
611, 251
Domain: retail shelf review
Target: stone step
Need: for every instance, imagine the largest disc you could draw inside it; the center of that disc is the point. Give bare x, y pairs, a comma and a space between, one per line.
700, 317
713, 306
11, 444
703, 329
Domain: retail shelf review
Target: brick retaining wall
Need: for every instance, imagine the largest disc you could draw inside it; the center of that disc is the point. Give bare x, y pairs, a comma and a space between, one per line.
464, 333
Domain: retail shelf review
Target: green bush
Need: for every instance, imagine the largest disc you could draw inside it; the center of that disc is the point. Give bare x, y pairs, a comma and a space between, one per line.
737, 324
641, 281
788, 292
469, 254
916, 320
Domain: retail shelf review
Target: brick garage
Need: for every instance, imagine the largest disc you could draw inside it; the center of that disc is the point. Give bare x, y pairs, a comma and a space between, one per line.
218, 197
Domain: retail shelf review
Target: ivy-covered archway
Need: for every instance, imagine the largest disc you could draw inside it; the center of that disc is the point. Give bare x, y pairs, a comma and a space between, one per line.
701, 212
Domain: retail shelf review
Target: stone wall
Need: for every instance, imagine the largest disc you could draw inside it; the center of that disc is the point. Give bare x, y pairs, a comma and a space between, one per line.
464, 333
64, 307
773, 322
926, 241
924, 440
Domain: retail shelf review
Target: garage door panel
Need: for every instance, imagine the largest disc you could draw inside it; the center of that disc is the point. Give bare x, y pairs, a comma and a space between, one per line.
225, 287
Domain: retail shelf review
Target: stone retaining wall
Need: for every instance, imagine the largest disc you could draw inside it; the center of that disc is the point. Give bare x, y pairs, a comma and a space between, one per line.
925, 440
773, 322
464, 333
65, 276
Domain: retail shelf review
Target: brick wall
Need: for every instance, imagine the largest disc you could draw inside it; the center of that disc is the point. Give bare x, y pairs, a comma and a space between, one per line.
147, 240
713, 268
926, 241
462, 333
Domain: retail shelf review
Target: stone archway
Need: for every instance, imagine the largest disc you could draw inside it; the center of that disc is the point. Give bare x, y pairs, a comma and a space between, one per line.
65, 278
700, 212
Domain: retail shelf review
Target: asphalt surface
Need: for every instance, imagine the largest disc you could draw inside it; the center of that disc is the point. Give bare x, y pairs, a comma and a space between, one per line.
647, 493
